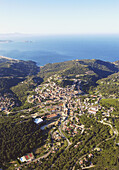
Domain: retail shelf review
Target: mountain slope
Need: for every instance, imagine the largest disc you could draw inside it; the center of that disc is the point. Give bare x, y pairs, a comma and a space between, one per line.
80, 67
109, 86
14, 71
86, 70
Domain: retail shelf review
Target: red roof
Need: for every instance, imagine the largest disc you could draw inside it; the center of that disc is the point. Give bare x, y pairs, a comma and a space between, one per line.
26, 157
30, 155
51, 115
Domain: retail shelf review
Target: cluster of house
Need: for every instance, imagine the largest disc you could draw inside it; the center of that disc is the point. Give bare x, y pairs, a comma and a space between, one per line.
93, 110
70, 128
65, 102
56, 136
86, 161
79, 143
94, 107
26, 158
7, 102
58, 141
50, 93
56, 99
56, 147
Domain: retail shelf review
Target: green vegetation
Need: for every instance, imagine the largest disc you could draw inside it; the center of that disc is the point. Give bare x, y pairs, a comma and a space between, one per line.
108, 103
88, 141
101, 68
8, 82
64, 83
109, 86
108, 157
88, 70
17, 68
23, 89
18, 137
14, 71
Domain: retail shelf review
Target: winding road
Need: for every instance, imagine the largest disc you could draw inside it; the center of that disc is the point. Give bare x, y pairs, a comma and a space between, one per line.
37, 159
69, 143
115, 131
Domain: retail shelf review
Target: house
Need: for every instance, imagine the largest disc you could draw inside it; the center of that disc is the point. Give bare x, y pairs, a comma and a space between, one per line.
27, 157
75, 146
38, 120
90, 155
85, 160
51, 116
98, 149
81, 162
92, 111
95, 108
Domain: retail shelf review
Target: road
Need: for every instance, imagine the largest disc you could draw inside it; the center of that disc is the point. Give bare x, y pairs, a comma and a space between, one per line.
80, 127
115, 133
28, 99
69, 143
37, 159
91, 166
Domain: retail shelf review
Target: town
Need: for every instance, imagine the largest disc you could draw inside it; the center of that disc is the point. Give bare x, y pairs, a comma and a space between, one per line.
7, 102
59, 109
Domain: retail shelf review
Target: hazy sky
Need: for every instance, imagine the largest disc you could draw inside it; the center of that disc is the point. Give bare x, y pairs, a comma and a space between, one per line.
59, 16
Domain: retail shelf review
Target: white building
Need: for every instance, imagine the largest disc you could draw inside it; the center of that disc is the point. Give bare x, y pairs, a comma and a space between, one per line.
38, 120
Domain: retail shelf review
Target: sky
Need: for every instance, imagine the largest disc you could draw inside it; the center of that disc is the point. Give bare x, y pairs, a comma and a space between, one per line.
47, 17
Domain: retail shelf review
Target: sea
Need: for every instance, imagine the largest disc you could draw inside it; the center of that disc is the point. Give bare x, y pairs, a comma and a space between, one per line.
52, 49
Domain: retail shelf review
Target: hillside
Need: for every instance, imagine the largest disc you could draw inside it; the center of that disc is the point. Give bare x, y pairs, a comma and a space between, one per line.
17, 136
116, 63
20, 77
14, 71
109, 86
97, 66
77, 131
5, 59
23, 89
17, 68
86, 70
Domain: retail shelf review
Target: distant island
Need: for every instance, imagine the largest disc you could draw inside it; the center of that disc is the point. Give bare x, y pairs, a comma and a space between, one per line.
10, 41
28, 41
6, 41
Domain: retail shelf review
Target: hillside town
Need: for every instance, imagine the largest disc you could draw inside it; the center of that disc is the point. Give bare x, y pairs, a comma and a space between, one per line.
7, 102
59, 109
65, 101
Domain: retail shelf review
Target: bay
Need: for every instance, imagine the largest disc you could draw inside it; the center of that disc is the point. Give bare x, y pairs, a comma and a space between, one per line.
51, 49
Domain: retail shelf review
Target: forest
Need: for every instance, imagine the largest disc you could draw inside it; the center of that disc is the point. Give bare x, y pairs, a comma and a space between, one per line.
67, 158
18, 137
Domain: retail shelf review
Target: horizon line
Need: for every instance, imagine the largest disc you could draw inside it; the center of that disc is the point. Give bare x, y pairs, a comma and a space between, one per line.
55, 34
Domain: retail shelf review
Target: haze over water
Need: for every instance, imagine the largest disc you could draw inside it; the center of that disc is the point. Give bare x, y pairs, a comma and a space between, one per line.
51, 49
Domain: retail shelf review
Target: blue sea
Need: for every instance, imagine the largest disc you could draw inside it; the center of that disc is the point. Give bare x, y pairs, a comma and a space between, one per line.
51, 49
